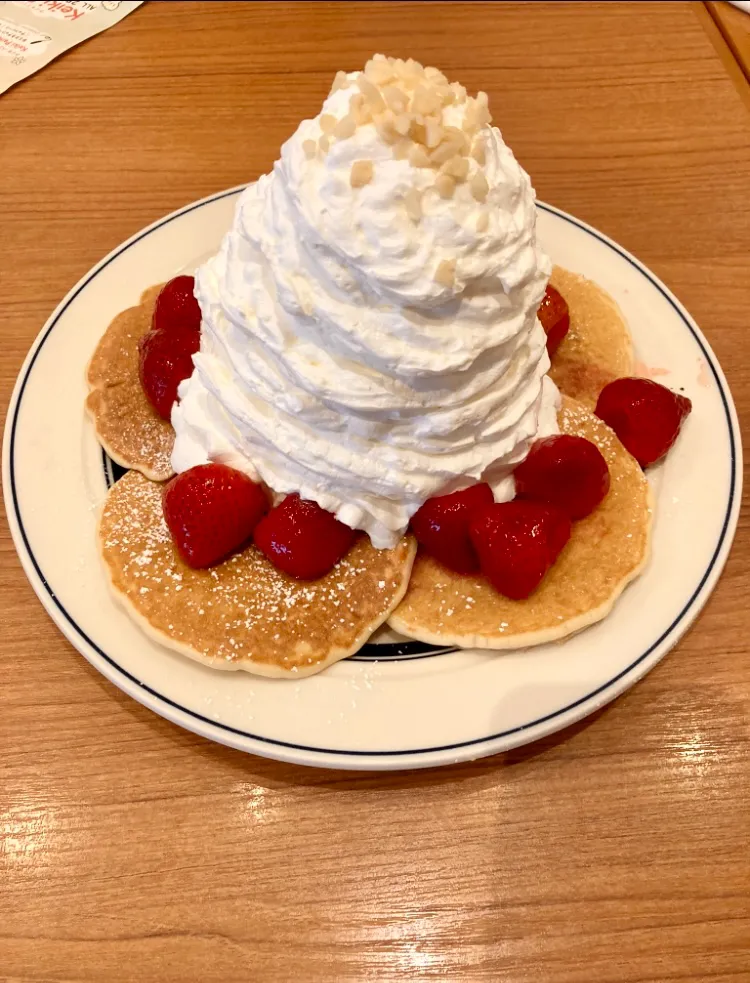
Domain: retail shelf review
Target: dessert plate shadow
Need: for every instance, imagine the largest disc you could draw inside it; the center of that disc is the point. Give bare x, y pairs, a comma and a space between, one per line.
404, 706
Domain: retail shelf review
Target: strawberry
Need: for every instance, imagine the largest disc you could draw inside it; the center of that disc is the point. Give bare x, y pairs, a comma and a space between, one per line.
517, 542
441, 526
645, 415
165, 352
555, 317
176, 308
565, 471
165, 359
211, 510
302, 539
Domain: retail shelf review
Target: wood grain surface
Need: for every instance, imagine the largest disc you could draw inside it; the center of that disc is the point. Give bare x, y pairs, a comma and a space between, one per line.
615, 852
734, 25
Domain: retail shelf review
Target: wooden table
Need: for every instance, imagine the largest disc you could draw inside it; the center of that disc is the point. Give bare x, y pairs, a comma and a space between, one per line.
734, 25
616, 851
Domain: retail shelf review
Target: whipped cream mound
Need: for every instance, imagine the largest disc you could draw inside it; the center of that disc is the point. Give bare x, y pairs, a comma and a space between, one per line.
369, 334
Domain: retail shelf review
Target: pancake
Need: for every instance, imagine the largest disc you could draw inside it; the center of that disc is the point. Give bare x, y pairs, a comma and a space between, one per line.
127, 426
605, 552
243, 613
597, 349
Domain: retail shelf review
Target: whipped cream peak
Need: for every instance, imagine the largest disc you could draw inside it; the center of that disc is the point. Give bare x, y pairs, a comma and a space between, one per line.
369, 334
425, 120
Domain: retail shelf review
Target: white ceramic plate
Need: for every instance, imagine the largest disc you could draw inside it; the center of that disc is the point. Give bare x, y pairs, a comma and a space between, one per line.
410, 710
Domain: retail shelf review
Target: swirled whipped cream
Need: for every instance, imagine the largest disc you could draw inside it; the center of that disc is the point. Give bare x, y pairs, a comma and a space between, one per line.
369, 334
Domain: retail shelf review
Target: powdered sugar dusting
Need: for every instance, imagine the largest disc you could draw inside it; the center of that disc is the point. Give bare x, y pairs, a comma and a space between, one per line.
244, 609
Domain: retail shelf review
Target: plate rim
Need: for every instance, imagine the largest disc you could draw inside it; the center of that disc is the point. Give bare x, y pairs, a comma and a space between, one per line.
293, 752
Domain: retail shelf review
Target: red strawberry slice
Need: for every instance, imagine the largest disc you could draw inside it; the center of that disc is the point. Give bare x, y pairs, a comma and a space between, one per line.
517, 542
441, 526
645, 415
302, 539
176, 307
211, 510
555, 317
165, 359
566, 471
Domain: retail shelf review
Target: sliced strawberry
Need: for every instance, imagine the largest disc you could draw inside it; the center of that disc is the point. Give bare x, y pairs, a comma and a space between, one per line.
176, 307
645, 415
517, 542
441, 526
302, 539
211, 510
565, 471
555, 317
165, 359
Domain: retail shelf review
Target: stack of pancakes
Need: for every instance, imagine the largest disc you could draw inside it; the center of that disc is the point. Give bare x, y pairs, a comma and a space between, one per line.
245, 614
